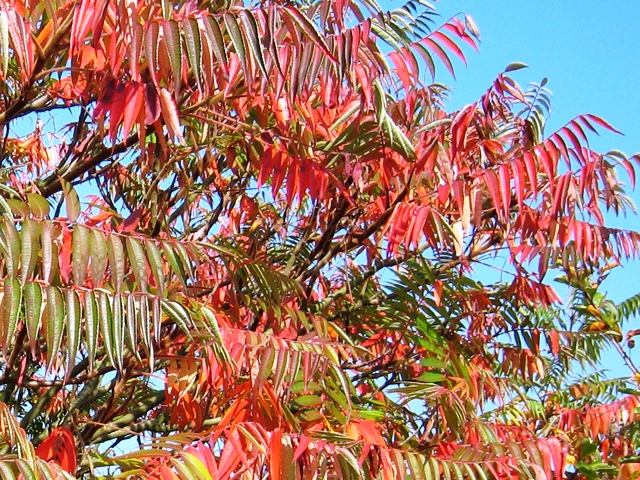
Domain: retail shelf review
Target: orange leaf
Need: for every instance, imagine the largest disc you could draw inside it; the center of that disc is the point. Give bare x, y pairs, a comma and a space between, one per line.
554, 341
170, 114
59, 447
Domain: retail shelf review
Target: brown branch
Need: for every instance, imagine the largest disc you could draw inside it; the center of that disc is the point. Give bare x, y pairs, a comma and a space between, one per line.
52, 185
120, 422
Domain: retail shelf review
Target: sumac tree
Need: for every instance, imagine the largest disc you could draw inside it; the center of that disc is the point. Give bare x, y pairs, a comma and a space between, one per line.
240, 240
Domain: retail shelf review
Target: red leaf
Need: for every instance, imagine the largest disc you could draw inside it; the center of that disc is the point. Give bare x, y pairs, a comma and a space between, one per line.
116, 106
575, 142
547, 162
59, 447
630, 171
279, 171
442, 55
529, 163
560, 195
505, 188
275, 452
602, 123
167, 474
450, 44
82, 20
417, 225
560, 145
554, 342
546, 456
133, 103
519, 181
292, 180
437, 291
401, 69
457, 27
65, 254
266, 165
557, 454
151, 104
459, 127
131, 222
577, 129
365, 84
491, 179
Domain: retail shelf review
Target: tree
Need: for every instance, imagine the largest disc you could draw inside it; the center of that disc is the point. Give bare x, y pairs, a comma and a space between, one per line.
273, 273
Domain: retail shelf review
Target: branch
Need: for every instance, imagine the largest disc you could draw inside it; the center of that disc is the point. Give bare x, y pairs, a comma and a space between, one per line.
360, 279
51, 185
119, 424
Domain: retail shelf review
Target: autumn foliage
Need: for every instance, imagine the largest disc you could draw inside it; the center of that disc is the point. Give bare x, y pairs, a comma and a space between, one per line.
242, 240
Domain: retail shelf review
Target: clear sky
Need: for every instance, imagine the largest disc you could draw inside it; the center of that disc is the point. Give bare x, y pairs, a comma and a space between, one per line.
590, 52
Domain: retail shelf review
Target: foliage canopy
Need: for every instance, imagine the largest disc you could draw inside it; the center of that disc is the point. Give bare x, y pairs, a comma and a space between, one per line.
275, 274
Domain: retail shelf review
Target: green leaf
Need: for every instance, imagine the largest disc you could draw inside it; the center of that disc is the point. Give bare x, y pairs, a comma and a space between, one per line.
431, 377
155, 261
196, 466
30, 240
73, 329
105, 319
4, 41
185, 259
151, 48
179, 314
138, 261
11, 302
210, 319
12, 239
26, 470
71, 200
6, 473
91, 324
54, 323
171, 33
49, 252
215, 40
99, 257
194, 48
38, 205
348, 464
184, 470
308, 400
251, 31
131, 326
238, 43
309, 29
115, 252
514, 66
117, 329
80, 254
174, 263
32, 312
144, 318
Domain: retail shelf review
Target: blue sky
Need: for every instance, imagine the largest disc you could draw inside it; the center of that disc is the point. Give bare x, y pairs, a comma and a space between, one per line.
591, 57
590, 53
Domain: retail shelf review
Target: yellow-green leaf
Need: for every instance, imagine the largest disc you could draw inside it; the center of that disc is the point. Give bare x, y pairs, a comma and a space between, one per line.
81, 247
115, 252
11, 302
32, 312
54, 323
